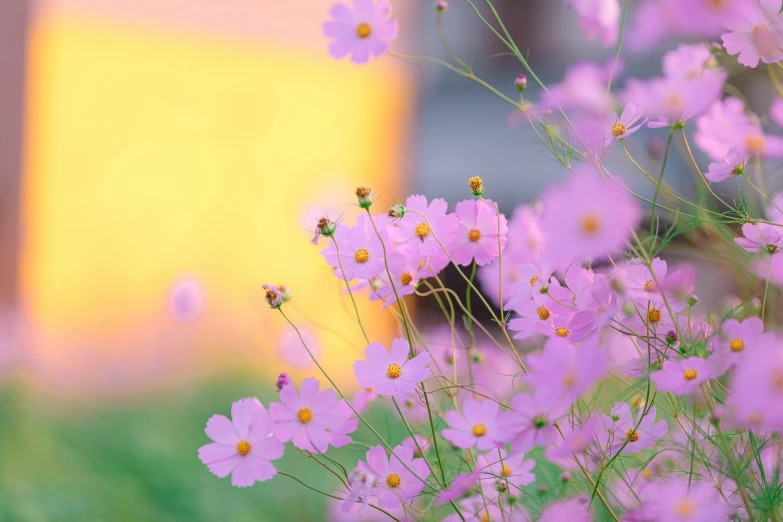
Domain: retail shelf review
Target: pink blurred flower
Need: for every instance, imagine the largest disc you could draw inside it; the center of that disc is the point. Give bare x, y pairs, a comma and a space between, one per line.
514, 468
565, 371
599, 19
717, 129
574, 510
732, 165
395, 485
361, 252
417, 237
305, 418
406, 272
621, 427
587, 217
459, 487
575, 445
477, 425
736, 337
243, 447
755, 33
684, 500
530, 422
363, 397
186, 299
760, 237
583, 87
756, 386
776, 111
683, 377
623, 126
422, 442
477, 235
362, 32
293, 352
391, 374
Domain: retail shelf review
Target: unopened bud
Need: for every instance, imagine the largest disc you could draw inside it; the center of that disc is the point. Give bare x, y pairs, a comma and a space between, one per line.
565, 477
283, 380
521, 82
501, 485
693, 300
476, 185
326, 227
364, 195
717, 48
396, 211
628, 309
672, 337
441, 6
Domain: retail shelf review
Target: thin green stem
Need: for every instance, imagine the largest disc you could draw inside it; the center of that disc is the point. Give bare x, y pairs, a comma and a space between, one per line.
350, 292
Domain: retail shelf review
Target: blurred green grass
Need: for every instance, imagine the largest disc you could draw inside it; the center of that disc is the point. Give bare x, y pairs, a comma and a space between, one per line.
136, 460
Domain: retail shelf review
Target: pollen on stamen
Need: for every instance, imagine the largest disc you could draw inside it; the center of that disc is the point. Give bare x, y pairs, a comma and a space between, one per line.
654, 316
243, 447
422, 230
755, 144
474, 235
505, 471
305, 415
479, 430
690, 374
649, 286
361, 256
406, 279
533, 280
393, 480
737, 345
562, 331
363, 30
393, 371
685, 508
590, 225
632, 435
543, 313
618, 129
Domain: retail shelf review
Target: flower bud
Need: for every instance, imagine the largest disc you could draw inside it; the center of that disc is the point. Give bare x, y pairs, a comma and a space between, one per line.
717, 48
565, 477
396, 211
672, 337
364, 195
501, 485
521, 82
693, 300
441, 6
476, 185
283, 380
274, 297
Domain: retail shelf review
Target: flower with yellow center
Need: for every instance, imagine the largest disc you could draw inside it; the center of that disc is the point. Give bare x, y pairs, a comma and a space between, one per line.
305, 415
474, 235
654, 316
243, 447
505, 471
476, 185
632, 435
542, 312
690, 374
394, 371
393, 480
562, 331
569, 381
590, 225
685, 507
406, 278
485, 517
479, 430
618, 129
423, 230
363, 30
649, 286
737, 345
361, 256
533, 280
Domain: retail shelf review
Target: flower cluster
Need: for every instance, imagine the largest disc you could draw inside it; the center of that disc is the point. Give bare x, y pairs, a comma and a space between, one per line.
602, 387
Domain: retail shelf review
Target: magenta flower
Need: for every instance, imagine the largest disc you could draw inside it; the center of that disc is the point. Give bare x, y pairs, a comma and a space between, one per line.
574, 510
477, 425
407, 272
599, 19
477, 235
416, 236
530, 423
459, 487
392, 374
587, 217
683, 377
776, 111
395, 484
623, 126
532, 280
755, 33
564, 370
362, 32
736, 337
512, 468
243, 447
621, 427
361, 252
597, 306
717, 129
306, 418
760, 237
732, 165
536, 311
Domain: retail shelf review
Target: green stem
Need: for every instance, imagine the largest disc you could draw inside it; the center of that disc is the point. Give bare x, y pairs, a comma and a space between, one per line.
348, 286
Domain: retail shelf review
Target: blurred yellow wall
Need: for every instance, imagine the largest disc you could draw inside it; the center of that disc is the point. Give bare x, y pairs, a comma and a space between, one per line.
152, 154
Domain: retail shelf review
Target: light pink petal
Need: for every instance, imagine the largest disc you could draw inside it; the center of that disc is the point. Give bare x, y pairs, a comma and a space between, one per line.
400, 349
284, 431
289, 397
241, 477
319, 437
260, 469
376, 352
388, 500
460, 439
325, 400
342, 12
338, 30
215, 452
220, 429
339, 49
261, 426
242, 416
269, 449
222, 468
279, 412
378, 461
360, 54
308, 392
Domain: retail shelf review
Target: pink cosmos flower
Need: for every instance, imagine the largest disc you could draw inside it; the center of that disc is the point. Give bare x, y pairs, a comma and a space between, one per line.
684, 501
306, 418
422, 442
736, 337
477, 235
717, 129
654, 21
621, 427
683, 377
623, 126
587, 217
599, 19
514, 469
243, 447
535, 312
362, 32
532, 280
574, 510
584, 87
415, 236
732, 165
597, 306
186, 299
362, 398
361, 252
392, 374
477, 425
756, 387
530, 423
459, 487
569, 327
754, 142
293, 352
395, 484
755, 33
776, 111
564, 370
478, 509
577, 445
688, 62
406, 272
760, 237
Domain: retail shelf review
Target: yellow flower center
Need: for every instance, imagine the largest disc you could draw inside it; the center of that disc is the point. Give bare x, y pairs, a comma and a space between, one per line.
737, 345
485, 517
475, 183
618, 129
243, 447
777, 382
479, 430
755, 144
394, 371
543, 313
533, 280
632, 435
474, 235
422, 230
675, 102
649, 286
690, 374
569, 381
305, 415
363, 30
393, 480
562, 331
361, 256
654, 316
637, 401
590, 225
646, 473
685, 507
505, 471
406, 278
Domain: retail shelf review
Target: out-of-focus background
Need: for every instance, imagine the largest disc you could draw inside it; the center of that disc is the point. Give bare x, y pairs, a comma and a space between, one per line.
159, 161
